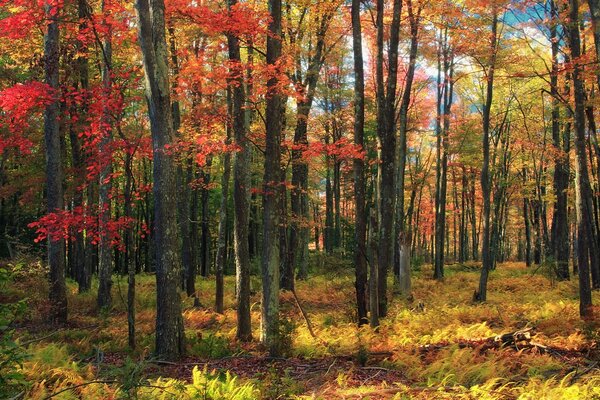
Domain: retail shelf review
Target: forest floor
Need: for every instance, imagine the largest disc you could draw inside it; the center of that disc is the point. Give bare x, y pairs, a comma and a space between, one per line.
434, 346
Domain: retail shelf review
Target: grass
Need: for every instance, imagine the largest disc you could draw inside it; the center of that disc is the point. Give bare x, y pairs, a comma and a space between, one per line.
93, 347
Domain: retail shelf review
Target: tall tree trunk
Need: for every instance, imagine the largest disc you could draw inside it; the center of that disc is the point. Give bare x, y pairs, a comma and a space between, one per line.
481, 294
105, 265
190, 273
560, 222
299, 232
527, 221
328, 239
54, 173
170, 338
82, 274
584, 195
386, 112
183, 173
241, 182
373, 270
360, 223
271, 181
221, 257
444, 104
205, 224
130, 251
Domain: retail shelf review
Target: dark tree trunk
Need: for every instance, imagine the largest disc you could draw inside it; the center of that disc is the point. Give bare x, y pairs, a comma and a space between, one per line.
105, 265
328, 237
130, 251
360, 223
54, 173
221, 257
190, 274
560, 222
444, 104
298, 243
584, 195
170, 338
481, 294
241, 183
271, 181
527, 221
205, 225
386, 111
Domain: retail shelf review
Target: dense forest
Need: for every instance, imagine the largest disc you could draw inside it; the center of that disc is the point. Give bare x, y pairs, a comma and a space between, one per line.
320, 199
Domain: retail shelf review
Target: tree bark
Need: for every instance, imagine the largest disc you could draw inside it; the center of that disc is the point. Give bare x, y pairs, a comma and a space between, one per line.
221, 257
444, 104
54, 173
481, 294
105, 265
360, 223
386, 111
271, 181
170, 338
584, 195
241, 182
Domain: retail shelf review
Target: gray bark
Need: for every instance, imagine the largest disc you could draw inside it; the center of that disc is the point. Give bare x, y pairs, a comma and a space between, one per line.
170, 339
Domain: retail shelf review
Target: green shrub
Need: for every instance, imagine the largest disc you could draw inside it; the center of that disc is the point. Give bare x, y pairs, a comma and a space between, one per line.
12, 354
211, 346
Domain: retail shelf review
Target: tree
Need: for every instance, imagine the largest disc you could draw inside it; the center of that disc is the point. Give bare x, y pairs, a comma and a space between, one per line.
561, 142
241, 183
584, 196
481, 294
170, 339
271, 181
105, 258
386, 111
54, 173
360, 223
445, 93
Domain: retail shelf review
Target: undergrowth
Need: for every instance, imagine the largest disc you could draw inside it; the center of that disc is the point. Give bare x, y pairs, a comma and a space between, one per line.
89, 357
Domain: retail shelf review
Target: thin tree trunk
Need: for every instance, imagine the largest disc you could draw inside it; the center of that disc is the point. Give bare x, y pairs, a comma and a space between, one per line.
223, 215
481, 294
105, 265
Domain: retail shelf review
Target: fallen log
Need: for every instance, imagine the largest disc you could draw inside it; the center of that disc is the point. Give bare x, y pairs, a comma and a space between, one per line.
516, 338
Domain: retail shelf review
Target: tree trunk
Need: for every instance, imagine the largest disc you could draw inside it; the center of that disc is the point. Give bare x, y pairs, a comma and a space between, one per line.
170, 338
241, 182
584, 195
386, 111
481, 294
444, 104
271, 181
360, 223
223, 215
205, 225
54, 173
105, 265
560, 222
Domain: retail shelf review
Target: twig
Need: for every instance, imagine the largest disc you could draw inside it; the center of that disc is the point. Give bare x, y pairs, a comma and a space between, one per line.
329, 369
18, 396
39, 339
305, 316
369, 378
585, 371
78, 386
